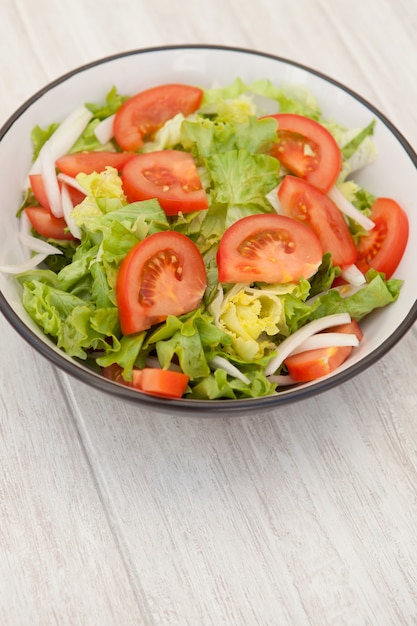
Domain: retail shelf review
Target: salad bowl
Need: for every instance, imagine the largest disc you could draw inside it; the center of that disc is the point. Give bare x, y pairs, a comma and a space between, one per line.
207, 67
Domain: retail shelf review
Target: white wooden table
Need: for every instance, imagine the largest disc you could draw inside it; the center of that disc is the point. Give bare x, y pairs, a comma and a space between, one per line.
115, 516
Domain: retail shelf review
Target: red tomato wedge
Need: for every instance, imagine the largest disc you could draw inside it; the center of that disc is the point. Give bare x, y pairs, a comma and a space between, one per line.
383, 248
268, 248
162, 275
38, 188
114, 372
312, 364
142, 115
307, 204
159, 382
47, 225
89, 162
170, 176
152, 380
307, 149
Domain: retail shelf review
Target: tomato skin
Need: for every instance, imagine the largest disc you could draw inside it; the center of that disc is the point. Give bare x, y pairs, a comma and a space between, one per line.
302, 201
142, 115
114, 372
159, 382
38, 188
47, 225
170, 176
267, 248
383, 248
312, 364
321, 163
89, 162
162, 275
151, 380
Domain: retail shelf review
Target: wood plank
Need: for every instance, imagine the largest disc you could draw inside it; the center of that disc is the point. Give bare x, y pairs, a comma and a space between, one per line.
59, 559
305, 512
114, 515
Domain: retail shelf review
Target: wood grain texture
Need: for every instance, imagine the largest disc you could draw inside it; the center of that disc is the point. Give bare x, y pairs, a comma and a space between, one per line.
116, 516
59, 559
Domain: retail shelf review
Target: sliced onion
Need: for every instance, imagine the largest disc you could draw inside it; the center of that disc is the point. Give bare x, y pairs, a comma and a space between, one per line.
70, 181
38, 245
326, 340
353, 275
25, 227
221, 363
300, 335
283, 380
104, 130
65, 135
344, 290
43, 248
24, 267
349, 209
272, 197
50, 180
67, 208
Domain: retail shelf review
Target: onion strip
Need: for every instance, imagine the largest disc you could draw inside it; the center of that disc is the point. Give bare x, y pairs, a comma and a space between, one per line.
24, 267
326, 340
349, 209
221, 363
353, 275
70, 181
104, 130
50, 180
43, 249
38, 245
67, 208
67, 133
283, 380
290, 343
273, 199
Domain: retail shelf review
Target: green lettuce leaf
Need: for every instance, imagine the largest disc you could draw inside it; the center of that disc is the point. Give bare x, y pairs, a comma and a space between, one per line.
74, 325
113, 102
88, 140
126, 353
207, 137
221, 385
377, 293
242, 178
290, 98
187, 339
39, 136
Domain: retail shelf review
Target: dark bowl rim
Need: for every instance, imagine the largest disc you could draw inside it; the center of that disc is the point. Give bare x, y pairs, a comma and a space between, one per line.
184, 405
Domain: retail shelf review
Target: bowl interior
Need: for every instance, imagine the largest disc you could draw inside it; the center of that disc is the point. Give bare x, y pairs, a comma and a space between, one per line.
393, 174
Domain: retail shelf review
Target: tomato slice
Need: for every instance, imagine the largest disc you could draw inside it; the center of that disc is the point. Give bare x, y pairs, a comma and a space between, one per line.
170, 176
143, 114
159, 382
307, 149
383, 248
312, 364
89, 162
38, 188
114, 372
304, 202
162, 275
267, 248
152, 380
47, 225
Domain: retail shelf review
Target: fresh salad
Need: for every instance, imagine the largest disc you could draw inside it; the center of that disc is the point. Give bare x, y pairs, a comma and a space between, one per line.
206, 243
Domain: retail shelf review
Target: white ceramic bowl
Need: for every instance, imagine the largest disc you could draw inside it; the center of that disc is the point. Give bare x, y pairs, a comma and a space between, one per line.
205, 65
